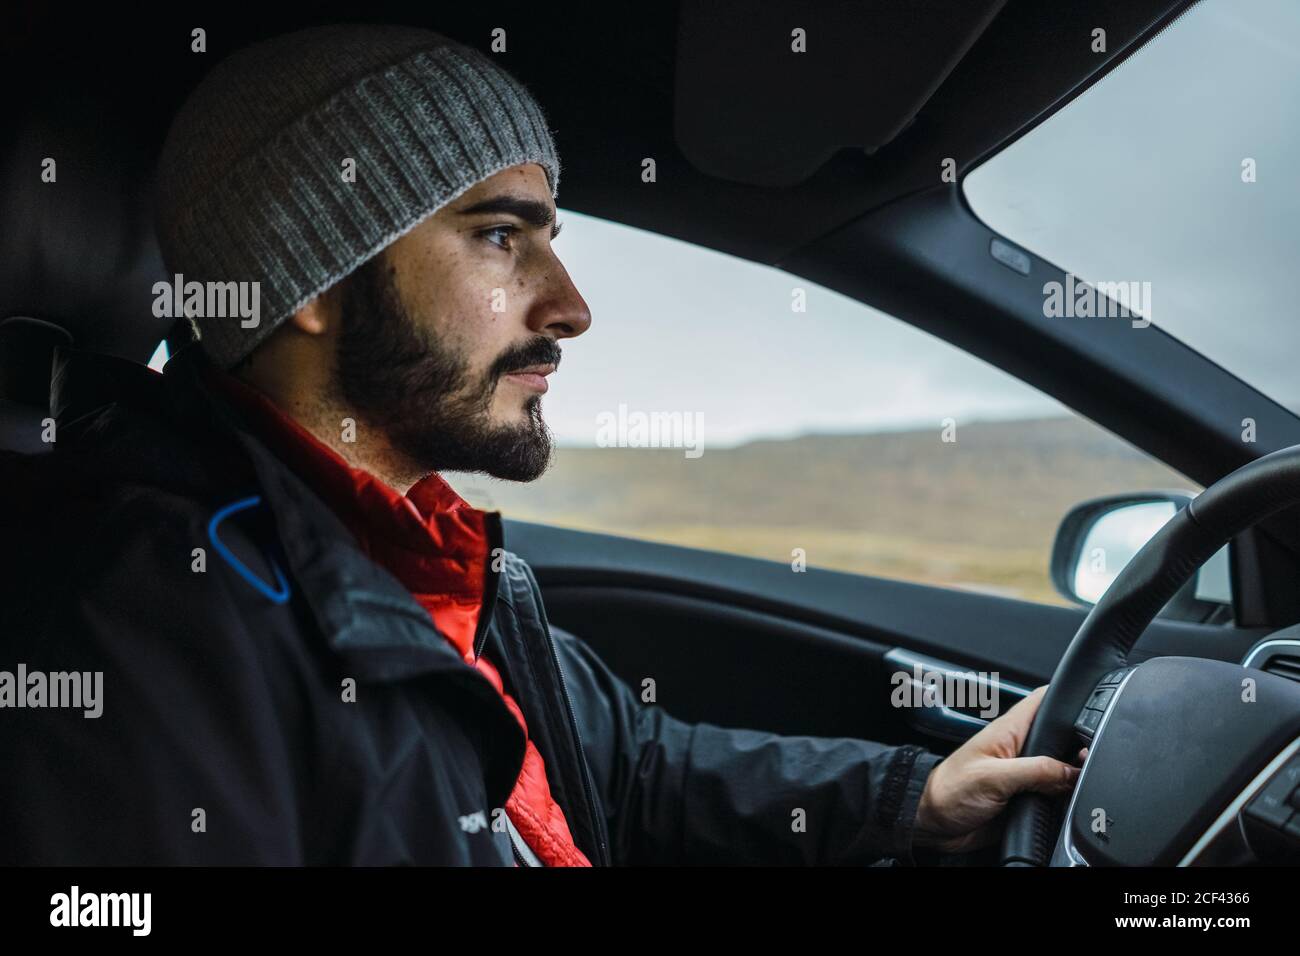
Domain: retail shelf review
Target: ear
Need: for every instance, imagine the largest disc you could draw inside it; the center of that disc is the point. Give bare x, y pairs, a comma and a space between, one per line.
314, 318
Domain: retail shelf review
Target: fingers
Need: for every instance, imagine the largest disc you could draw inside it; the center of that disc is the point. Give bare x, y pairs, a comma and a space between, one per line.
1017, 721
1039, 774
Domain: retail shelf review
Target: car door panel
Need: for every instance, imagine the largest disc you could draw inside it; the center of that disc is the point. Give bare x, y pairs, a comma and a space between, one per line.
740, 641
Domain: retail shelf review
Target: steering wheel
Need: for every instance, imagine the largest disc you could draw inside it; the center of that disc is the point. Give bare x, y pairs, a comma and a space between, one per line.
1191, 760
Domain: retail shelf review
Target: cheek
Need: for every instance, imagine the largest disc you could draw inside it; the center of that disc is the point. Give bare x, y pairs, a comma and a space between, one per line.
471, 307
476, 287
461, 321
487, 325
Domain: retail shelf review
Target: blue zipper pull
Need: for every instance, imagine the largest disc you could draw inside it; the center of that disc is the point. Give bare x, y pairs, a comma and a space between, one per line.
280, 596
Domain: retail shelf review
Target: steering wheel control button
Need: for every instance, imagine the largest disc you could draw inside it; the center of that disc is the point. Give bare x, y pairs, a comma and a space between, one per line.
1101, 698
1088, 722
1271, 807
1288, 776
1094, 710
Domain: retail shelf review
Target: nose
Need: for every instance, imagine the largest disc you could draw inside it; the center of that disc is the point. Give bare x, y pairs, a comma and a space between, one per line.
562, 312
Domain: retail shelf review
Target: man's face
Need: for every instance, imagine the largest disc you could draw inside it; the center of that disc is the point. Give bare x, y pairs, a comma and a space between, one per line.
447, 336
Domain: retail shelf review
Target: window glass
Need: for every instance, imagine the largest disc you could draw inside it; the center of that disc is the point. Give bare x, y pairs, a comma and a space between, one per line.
785, 419
1176, 172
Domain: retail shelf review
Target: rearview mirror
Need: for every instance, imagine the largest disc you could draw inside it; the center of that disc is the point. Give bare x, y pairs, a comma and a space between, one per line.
1099, 537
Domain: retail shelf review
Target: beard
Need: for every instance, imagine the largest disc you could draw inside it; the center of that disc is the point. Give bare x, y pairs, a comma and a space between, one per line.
421, 393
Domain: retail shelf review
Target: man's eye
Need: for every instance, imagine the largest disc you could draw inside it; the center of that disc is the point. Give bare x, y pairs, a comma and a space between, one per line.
500, 235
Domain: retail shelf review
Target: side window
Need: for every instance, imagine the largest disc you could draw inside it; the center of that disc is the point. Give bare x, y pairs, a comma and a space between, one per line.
720, 404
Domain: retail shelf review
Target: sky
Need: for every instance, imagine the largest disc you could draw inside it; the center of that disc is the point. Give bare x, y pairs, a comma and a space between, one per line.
680, 328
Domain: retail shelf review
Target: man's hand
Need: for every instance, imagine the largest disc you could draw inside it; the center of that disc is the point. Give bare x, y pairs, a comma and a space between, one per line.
969, 788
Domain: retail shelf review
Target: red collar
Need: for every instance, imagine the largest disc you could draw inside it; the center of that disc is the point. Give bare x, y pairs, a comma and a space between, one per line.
431, 539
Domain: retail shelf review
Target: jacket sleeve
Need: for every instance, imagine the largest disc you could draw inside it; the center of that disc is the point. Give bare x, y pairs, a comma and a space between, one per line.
187, 761
700, 794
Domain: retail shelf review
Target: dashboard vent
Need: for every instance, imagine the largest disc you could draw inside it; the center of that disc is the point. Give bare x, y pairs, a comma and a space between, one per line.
1284, 665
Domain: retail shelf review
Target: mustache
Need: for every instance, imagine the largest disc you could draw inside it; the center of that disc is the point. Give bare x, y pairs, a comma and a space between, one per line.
542, 351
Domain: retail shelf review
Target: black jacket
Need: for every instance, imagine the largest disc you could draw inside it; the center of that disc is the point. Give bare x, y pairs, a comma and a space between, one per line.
226, 736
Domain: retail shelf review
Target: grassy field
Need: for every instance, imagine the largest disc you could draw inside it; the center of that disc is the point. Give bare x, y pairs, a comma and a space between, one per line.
979, 513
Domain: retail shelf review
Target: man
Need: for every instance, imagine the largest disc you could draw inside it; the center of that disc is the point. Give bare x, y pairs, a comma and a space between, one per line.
311, 650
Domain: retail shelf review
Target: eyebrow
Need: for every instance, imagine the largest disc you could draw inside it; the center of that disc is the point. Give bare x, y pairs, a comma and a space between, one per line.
529, 210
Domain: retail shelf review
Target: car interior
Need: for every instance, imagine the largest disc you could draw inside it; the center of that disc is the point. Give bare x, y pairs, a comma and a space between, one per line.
758, 173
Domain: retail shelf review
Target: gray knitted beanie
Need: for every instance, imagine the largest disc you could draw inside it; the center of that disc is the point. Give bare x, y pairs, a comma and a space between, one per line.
253, 181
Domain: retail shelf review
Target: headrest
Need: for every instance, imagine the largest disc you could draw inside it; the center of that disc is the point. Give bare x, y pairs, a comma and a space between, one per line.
77, 249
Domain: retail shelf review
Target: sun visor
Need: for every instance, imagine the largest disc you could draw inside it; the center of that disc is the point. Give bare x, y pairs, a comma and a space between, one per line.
767, 92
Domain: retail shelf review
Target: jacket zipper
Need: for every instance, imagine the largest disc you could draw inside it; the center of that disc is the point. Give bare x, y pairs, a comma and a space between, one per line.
496, 539
516, 838
491, 582
602, 836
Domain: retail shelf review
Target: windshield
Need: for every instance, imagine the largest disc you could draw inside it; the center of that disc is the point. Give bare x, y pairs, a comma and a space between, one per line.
1177, 175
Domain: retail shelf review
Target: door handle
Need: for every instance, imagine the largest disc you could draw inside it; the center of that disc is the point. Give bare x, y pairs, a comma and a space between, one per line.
946, 718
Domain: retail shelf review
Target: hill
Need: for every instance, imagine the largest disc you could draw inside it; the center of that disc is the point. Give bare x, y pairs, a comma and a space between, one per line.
980, 512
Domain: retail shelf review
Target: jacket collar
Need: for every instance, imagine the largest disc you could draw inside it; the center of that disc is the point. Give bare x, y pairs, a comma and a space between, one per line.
431, 539
337, 582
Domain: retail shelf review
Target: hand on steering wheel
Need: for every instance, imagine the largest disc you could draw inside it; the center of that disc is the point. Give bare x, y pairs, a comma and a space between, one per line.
969, 789
1181, 746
